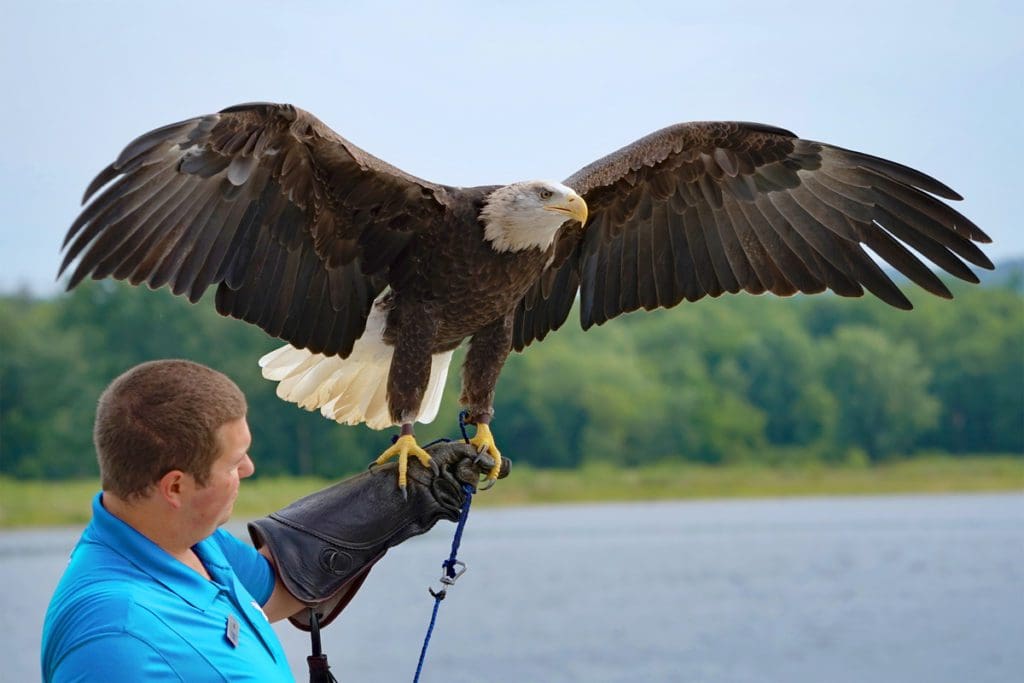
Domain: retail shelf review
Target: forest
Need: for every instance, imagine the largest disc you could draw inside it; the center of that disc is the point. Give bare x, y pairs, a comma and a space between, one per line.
734, 380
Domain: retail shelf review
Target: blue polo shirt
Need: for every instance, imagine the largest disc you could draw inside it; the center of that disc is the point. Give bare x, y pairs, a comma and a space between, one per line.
125, 610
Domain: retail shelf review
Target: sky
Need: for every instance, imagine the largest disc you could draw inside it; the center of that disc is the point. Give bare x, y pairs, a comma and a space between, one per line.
473, 93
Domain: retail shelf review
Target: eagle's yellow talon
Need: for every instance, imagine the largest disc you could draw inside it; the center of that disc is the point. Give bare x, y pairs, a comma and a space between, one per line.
483, 441
404, 447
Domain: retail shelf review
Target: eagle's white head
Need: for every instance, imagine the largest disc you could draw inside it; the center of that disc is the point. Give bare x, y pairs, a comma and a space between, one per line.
527, 215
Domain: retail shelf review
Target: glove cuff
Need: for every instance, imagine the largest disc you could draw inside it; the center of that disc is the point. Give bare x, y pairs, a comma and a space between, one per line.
316, 571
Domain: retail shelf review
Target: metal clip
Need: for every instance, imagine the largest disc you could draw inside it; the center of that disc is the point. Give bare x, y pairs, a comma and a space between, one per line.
450, 580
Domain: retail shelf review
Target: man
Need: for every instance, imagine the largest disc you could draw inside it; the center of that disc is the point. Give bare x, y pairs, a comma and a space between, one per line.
155, 590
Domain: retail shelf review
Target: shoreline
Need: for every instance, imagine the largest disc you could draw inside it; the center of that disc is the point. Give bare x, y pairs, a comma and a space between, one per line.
27, 504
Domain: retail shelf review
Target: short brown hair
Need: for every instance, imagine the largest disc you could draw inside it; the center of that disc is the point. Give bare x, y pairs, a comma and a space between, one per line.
161, 416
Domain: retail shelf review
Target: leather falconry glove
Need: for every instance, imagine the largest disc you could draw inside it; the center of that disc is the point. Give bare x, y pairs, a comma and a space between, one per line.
325, 544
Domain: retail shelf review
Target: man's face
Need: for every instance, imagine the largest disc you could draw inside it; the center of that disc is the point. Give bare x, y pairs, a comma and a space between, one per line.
211, 505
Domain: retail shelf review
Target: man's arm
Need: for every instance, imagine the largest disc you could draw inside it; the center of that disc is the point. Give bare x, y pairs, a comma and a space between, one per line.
324, 544
256, 571
281, 603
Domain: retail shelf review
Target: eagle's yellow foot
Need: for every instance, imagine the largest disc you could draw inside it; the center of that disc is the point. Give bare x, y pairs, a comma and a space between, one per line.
404, 447
483, 441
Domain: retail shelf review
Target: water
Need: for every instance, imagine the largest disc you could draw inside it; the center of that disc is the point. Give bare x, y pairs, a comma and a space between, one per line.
926, 588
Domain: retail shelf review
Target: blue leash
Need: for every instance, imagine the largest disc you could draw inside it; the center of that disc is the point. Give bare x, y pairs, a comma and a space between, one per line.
452, 568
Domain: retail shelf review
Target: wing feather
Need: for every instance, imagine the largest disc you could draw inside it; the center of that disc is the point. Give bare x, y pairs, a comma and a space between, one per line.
612, 279
700, 209
219, 246
752, 254
794, 256
296, 226
904, 261
677, 278
629, 298
682, 275
713, 241
736, 256
146, 221
646, 266
185, 280
201, 266
100, 240
695, 248
179, 230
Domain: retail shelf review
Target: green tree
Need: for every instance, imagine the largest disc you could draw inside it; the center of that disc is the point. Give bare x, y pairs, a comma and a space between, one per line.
692, 353
577, 397
975, 348
784, 371
738, 378
882, 387
46, 395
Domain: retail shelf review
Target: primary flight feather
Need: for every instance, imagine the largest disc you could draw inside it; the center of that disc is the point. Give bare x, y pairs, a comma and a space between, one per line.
374, 276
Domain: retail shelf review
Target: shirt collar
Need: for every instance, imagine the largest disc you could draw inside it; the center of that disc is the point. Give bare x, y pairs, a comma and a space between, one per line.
148, 557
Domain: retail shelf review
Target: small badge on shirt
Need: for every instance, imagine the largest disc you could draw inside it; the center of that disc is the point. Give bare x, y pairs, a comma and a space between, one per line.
231, 632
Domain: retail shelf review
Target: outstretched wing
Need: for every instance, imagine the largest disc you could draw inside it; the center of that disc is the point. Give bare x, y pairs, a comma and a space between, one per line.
298, 227
700, 209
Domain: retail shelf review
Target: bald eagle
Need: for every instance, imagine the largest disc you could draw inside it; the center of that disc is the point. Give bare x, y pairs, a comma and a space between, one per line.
374, 277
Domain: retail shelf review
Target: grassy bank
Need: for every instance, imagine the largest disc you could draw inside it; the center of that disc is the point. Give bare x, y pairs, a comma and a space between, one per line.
67, 503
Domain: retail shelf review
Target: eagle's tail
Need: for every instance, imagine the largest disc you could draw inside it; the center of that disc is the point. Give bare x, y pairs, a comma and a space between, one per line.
350, 390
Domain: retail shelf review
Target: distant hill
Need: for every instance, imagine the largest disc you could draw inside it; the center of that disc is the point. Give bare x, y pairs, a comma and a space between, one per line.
1009, 273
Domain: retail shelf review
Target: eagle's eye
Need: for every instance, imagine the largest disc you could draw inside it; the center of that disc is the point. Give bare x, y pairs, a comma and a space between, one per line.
546, 193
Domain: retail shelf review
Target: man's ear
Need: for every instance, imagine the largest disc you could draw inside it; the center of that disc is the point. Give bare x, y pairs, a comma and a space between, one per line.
170, 487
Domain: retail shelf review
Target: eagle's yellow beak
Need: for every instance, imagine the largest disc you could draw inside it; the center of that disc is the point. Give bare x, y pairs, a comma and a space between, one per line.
573, 206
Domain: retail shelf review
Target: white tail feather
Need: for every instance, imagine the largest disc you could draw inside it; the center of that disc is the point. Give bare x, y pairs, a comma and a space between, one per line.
353, 389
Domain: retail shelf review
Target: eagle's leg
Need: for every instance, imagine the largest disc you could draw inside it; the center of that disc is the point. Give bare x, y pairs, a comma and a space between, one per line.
407, 382
487, 353
483, 441
403, 447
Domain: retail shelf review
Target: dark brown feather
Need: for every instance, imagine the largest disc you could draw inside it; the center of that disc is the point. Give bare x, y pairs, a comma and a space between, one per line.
713, 240
646, 267
782, 257
254, 199
754, 208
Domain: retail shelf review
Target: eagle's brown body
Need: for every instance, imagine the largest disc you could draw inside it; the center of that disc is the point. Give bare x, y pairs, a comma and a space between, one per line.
444, 306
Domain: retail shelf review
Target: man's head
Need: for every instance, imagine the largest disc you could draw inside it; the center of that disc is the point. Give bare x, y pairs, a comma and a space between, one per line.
162, 416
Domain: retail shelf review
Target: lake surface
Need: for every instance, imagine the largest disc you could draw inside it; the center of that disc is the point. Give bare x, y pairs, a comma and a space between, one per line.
915, 588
